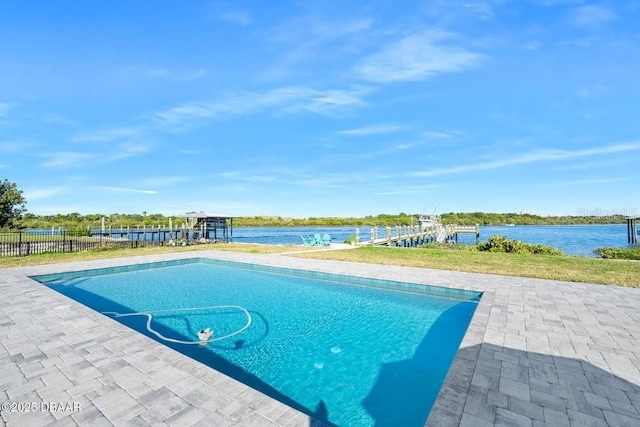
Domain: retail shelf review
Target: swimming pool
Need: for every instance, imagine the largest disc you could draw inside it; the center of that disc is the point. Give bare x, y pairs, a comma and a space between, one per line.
346, 350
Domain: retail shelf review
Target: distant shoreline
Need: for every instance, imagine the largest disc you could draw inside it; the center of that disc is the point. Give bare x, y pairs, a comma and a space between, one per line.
77, 221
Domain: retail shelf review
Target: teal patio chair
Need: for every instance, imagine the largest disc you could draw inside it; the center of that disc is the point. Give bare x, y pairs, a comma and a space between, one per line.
326, 240
308, 240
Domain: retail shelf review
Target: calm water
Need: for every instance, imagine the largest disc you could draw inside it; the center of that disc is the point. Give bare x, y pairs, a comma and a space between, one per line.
352, 355
571, 239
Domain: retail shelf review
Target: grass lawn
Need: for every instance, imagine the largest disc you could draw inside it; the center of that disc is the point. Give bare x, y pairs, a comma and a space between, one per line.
567, 268
52, 258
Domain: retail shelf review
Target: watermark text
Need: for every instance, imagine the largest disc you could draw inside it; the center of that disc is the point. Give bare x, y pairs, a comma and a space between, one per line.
40, 407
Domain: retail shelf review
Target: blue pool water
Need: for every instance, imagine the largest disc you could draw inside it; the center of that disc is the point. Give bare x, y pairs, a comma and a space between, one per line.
323, 344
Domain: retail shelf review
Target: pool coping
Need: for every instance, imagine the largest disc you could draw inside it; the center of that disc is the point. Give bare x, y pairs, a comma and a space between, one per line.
536, 351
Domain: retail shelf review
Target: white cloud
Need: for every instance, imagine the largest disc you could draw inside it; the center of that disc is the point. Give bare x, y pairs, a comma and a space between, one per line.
109, 135
531, 157
125, 150
419, 56
413, 189
313, 40
4, 108
533, 45
480, 9
43, 193
57, 119
592, 181
125, 190
372, 130
239, 18
591, 16
146, 72
66, 160
165, 181
326, 102
441, 135
593, 91
287, 99
14, 146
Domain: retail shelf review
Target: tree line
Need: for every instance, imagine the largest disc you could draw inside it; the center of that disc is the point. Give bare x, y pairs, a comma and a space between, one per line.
13, 214
83, 222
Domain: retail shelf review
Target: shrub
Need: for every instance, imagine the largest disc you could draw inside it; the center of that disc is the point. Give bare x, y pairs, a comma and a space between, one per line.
618, 253
350, 240
499, 243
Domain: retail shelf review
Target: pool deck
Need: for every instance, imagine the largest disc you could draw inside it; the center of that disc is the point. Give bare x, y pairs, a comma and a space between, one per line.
537, 352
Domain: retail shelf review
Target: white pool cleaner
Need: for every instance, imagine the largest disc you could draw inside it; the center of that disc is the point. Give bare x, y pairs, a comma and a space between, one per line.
205, 336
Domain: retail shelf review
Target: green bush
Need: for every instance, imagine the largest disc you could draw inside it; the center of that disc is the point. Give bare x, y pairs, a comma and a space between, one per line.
503, 244
350, 240
618, 253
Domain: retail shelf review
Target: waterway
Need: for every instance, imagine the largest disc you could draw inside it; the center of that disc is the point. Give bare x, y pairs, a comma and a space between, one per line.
571, 239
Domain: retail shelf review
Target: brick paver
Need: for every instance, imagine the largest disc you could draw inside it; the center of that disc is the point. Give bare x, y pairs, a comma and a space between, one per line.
537, 352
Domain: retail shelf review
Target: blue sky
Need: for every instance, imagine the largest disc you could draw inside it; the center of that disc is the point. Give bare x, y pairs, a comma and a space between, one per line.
321, 108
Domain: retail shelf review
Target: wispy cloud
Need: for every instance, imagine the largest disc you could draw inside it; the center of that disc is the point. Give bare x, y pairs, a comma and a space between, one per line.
307, 40
12, 147
66, 159
329, 180
592, 16
239, 18
390, 149
412, 189
57, 119
108, 135
482, 10
43, 193
165, 181
372, 130
146, 72
531, 157
441, 135
420, 56
127, 149
591, 181
69, 159
4, 108
288, 100
593, 91
533, 45
124, 190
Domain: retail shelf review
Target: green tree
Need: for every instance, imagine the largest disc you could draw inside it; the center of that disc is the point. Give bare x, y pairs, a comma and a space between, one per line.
11, 204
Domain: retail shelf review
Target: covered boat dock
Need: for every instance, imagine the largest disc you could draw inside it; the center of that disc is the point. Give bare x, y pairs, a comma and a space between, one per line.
211, 226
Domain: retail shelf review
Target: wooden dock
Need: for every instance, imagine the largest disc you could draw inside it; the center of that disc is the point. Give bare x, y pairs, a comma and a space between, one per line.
161, 234
414, 235
632, 230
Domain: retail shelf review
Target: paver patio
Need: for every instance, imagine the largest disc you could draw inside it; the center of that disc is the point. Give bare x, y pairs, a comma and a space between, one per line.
537, 352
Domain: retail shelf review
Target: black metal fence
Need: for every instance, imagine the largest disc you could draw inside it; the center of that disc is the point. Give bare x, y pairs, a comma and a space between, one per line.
28, 242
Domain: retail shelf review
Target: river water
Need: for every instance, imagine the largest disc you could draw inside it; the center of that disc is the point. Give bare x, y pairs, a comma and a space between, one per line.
571, 239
